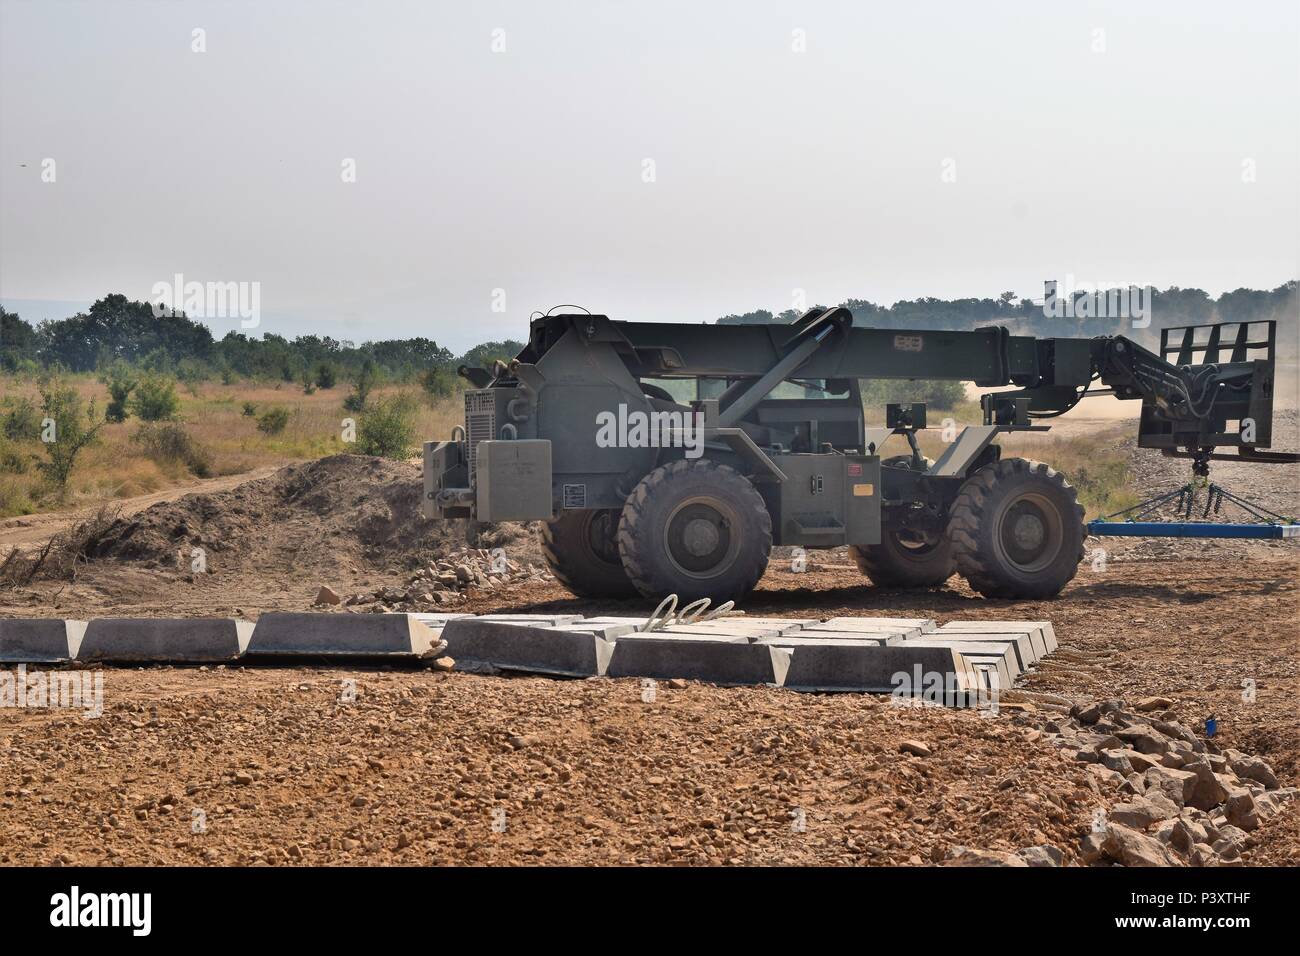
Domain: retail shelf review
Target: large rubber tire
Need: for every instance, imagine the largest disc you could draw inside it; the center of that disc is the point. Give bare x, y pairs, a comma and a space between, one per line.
1017, 530
695, 529
581, 549
905, 559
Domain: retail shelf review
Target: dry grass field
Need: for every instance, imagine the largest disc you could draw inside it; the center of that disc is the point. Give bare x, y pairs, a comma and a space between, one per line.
117, 466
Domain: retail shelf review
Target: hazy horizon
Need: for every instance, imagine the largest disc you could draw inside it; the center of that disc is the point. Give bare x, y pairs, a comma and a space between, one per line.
876, 152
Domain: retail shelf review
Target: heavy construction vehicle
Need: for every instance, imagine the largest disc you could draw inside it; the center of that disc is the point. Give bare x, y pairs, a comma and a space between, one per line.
669, 459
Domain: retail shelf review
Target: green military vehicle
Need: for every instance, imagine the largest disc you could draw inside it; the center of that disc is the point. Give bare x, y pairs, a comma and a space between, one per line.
670, 459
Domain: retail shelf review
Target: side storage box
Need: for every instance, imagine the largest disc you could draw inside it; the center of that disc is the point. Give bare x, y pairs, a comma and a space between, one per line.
826, 500
513, 480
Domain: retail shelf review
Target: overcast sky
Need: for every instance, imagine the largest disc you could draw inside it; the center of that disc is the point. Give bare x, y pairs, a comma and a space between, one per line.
946, 149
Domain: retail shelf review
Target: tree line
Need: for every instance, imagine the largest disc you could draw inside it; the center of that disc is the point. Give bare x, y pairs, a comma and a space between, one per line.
116, 331
1170, 307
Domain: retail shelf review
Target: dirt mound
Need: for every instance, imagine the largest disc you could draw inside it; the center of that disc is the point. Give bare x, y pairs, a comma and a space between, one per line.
342, 510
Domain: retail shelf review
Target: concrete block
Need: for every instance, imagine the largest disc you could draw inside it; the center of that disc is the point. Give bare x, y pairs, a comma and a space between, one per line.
1001, 651
539, 619
1040, 633
877, 625
436, 621
667, 635
1021, 644
924, 624
883, 636
532, 648
608, 631
822, 637
735, 625
992, 671
39, 640
718, 660
341, 635
859, 666
163, 640
782, 625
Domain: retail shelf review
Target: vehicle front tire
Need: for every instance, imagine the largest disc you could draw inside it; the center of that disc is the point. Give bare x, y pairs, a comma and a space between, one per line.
1016, 530
695, 529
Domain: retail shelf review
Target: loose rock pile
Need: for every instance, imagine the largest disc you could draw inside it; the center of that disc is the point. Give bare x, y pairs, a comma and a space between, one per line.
444, 582
1185, 800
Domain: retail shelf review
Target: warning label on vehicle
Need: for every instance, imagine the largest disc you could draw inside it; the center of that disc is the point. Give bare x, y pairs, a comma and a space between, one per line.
908, 343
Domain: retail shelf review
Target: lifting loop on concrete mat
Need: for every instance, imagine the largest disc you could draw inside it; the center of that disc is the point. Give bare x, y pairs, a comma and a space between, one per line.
666, 614
725, 609
662, 615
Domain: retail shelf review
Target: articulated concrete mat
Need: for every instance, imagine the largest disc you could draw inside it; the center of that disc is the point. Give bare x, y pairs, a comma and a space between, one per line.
1040, 633
718, 660
39, 640
536, 648
957, 664
155, 639
1000, 653
845, 665
1022, 645
342, 635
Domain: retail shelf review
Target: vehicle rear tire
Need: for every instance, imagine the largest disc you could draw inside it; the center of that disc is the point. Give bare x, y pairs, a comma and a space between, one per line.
905, 558
1016, 530
581, 549
695, 529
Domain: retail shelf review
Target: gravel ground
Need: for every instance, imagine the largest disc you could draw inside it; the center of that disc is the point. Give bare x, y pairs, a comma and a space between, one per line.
419, 767
281, 767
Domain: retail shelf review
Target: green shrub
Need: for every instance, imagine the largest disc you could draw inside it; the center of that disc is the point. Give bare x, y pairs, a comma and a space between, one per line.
387, 427
437, 383
12, 460
121, 383
14, 499
325, 375
73, 426
155, 399
273, 420
249, 409
366, 379
20, 419
168, 442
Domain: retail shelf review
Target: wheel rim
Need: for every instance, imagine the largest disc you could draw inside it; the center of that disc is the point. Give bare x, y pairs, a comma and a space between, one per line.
916, 544
700, 538
601, 540
1029, 533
